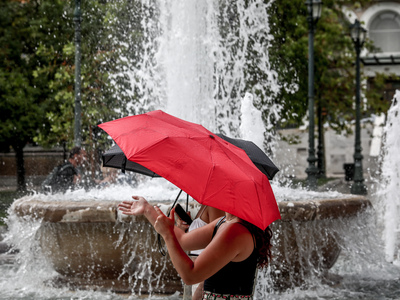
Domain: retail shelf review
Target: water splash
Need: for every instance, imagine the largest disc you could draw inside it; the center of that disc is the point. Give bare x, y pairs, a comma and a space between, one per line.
199, 58
252, 127
389, 204
27, 275
361, 271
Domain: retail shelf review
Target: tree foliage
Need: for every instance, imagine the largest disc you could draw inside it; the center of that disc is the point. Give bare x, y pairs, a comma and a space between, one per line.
22, 95
334, 59
37, 71
98, 90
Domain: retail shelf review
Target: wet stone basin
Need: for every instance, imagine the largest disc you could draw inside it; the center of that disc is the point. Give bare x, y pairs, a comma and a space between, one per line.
89, 245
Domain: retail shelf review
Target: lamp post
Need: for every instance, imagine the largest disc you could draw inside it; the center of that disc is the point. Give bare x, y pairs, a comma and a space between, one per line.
77, 115
313, 15
358, 34
321, 146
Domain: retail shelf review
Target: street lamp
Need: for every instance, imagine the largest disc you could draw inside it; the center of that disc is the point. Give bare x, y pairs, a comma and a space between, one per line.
313, 15
358, 34
321, 146
77, 115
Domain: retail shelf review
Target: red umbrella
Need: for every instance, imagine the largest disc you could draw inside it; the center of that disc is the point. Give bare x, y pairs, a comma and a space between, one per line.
206, 167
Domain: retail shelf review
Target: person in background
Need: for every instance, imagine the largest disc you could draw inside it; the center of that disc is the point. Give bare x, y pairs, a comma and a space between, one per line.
110, 176
66, 176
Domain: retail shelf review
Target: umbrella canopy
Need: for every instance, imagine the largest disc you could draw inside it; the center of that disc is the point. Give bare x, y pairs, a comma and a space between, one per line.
257, 156
208, 168
115, 158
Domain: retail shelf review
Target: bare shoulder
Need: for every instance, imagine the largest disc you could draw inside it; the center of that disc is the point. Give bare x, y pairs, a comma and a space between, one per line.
238, 237
235, 230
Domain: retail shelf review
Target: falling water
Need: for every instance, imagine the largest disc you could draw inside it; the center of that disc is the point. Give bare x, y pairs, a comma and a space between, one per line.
200, 58
185, 54
27, 274
390, 183
252, 127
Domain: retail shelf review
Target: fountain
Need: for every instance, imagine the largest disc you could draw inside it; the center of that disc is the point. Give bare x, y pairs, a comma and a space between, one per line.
388, 193
324, 243
201, 58
90, 245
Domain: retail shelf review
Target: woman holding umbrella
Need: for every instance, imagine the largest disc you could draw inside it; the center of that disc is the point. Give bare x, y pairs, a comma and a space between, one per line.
204, 216
233, 249
216, 173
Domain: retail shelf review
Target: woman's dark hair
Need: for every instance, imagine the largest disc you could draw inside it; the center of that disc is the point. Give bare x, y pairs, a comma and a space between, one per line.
262, 240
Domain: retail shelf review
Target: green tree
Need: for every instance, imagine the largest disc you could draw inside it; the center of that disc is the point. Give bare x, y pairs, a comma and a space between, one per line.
104, 90
22, 95
334, 56
37, 74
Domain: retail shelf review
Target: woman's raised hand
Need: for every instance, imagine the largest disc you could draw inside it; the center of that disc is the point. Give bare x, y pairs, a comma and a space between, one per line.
164, 225
134, 208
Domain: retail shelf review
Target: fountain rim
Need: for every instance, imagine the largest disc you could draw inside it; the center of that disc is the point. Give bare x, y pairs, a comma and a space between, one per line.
100, 211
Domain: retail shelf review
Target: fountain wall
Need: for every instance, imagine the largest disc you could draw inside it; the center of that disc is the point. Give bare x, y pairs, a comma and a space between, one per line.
90, 246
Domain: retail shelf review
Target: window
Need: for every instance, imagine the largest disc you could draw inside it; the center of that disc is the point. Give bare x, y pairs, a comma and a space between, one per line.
385, 32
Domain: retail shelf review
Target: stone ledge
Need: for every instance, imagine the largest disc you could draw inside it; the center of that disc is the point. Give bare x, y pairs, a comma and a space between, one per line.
321, 209
90, 211
97, 211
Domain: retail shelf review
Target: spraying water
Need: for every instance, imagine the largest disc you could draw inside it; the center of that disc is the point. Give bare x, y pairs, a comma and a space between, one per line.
390, 183
251, 126
200, 58
185, 54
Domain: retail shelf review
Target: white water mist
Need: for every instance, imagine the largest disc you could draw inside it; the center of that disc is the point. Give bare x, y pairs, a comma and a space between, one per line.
197, 57
252, 127
390, 182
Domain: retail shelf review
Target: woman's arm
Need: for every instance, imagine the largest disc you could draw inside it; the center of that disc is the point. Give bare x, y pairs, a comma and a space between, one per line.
142, 207
232, 240
196, 239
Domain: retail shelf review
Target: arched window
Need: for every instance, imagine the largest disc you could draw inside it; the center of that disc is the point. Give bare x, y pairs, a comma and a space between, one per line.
385, 32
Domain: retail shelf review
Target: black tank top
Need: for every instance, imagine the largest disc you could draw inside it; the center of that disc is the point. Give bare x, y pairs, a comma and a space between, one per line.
236, 278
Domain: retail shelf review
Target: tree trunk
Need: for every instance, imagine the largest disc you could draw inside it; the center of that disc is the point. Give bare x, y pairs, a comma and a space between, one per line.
19, 157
